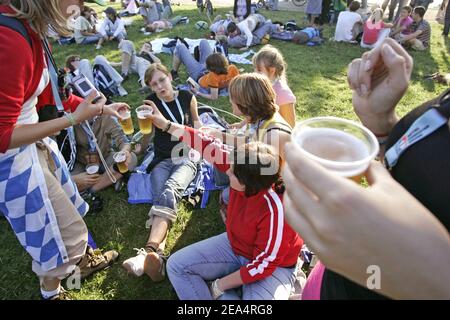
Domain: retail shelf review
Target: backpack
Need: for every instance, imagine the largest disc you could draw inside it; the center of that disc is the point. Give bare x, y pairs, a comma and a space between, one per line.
221, 47
104, 82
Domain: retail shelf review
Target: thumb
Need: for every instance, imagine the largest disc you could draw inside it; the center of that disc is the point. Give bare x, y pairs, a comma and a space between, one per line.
377, 173
91, 96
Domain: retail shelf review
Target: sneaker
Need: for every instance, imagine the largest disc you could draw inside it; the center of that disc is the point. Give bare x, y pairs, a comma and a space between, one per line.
119, 184
95, 260
94, 201
135, 265
98, 47
175, 76
155, 267
62, 295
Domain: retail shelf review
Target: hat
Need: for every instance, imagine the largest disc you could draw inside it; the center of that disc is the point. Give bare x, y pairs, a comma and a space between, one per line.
99, 2
110, 10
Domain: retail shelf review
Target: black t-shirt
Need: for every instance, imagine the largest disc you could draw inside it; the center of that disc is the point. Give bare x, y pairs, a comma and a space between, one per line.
164, 142
424, 170
146, 56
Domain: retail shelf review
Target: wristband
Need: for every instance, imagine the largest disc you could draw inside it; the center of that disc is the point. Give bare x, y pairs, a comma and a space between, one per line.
169, 124
215, 291
69, 116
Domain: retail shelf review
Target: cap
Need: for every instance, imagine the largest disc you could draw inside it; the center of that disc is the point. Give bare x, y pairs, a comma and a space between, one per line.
110, 10
99, 2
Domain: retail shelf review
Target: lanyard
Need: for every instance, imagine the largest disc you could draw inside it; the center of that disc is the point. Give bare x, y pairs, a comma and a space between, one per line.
170, 112
89, 134
52, 70
425, 125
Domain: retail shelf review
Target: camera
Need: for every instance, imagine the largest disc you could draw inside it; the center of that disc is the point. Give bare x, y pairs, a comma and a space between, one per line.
85, 87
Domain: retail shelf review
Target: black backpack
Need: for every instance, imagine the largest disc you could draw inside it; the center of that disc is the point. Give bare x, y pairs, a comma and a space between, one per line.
104, 82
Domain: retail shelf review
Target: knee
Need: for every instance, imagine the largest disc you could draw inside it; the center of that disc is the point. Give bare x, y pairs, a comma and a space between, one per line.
176, 263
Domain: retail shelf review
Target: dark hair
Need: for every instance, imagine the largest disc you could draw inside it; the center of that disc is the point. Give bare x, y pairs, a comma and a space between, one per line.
231, 27
254, 96
217, 63
420, 11
69, 61
251, 161
354, 5
85, 9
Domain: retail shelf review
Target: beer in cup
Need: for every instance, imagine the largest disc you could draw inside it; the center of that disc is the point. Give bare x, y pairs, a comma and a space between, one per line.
126, 122
145, 124
92, 168
121, 158
342, 146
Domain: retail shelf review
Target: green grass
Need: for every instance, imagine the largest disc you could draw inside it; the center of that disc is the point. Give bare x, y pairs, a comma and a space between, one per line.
317, 75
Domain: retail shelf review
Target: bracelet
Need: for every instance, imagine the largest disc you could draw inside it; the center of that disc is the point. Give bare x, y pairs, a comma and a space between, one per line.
216, 292
69, 116
169, 124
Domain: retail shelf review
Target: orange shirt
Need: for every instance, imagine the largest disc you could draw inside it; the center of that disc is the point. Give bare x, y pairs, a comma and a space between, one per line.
213, 80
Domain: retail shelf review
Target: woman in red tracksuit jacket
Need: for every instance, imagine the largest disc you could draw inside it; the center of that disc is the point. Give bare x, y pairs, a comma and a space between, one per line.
259, 251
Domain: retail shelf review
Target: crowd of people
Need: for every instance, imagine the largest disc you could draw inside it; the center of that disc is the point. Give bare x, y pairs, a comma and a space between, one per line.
277, 200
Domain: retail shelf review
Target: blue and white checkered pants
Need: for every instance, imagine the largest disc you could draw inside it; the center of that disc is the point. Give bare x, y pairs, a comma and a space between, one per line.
26, 205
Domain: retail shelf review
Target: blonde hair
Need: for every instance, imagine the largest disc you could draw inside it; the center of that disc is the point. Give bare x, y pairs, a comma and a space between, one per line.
271, 57
40, 14
374, 18
254, 96
151, 71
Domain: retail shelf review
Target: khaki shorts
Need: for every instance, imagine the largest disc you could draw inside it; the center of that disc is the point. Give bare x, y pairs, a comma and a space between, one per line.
73, 230
417, 45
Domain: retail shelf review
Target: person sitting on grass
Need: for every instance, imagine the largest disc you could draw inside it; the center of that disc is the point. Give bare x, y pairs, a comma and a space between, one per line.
171, 171
84, 31
419, 38
375, 30
258, 253
402, 23
349, 24
219, 76
194, 67
112, 28
133, 62
270, 62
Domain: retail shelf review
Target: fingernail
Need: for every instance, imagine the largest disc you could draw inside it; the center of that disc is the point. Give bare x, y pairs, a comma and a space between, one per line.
363, 89
367, 65
388, 51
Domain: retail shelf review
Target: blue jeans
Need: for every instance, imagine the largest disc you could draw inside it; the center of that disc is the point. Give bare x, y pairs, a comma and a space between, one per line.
169, 179
194, 68
91, 39
190, 268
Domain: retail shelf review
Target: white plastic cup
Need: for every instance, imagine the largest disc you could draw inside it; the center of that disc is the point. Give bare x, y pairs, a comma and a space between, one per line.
92, 168
340, 145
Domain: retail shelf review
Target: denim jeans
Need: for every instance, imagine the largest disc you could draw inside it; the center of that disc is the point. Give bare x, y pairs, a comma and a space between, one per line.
190, 268
194, 68
169, 179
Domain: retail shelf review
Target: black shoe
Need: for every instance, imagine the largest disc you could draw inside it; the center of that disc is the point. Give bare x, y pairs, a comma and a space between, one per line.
175, 76
94, 200
124, 76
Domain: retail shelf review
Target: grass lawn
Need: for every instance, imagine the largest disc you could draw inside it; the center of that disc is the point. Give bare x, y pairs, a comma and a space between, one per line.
317, 75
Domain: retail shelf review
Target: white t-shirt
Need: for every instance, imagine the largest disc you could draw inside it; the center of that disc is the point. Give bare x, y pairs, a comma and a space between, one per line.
81, 24
344, 25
